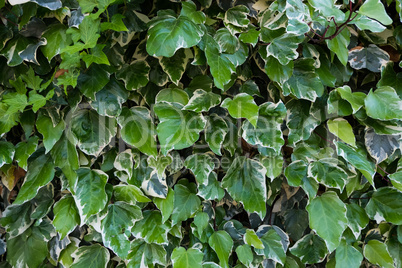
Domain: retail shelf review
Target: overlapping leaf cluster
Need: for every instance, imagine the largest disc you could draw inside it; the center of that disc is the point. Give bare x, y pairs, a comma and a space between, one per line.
200, 133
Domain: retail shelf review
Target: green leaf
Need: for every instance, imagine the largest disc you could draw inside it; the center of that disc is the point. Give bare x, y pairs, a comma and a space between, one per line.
212, 190
383, 104
245, 182
119, 218
242, 106
7, 152
347, 256
327, 172
23, 151
40, 172
151, 228
166, 205
109, 101
227, 42
16, 219
186, 202
380, 147
375, 9
371, 57
342, 129
377, 253
189, 9
94, 256
57, 40
357, 218
13, 48
310, 249
396, 179
251, 238
187, 258
222, 244
173, 33
273, 247
245, 254
304, 82
146, 253
201, 165
278, 72
93, 80
176, 65
66, 216
215, 132
172, 95
129, 194
358, 159
51, 133
116, 24
177, 129
7, 120
296, 222
135, 75
250, 37
327, 216
15, 101
385, 204
202, 101
237, 16
356, 99
201, 220
138, 129
92, 131
339, 45
284, 47
328, 8
96, 56
90, 195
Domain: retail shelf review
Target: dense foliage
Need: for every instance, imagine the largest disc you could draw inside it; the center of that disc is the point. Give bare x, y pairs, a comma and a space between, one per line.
200, 133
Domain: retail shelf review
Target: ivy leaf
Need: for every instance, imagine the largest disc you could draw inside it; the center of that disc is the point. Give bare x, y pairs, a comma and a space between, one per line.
342, 129
66, 216
328, 9
109, 101
328, 172
93, 80
149, 254
237, 16
165, 205
212, 190
96, 56
172, 95
327, 216
355, 99
40, 172
13, 48
242, 106
187, 258
135, 75
251, 238
23, 150
310, 249
90, 194
377, 253
357, 218
222, 244
347, 256
245, 254
189, 9
7, 152
51, 133
173, 33
119, 218
385, 205
278, 72
16, 219
155, 185
273, 247
201, 165
380, 147
151, 228
92, 131
284, 47
202, 101
375, 9
339, 45
304, 82
137, 129
176, 65
371, 57
383, 104
215, 132
250, 37
186, 202
91, 257
177, 129
115, 24
245, 182
129, 194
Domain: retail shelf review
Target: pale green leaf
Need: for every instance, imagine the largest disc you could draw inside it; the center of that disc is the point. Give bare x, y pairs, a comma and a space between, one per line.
151, 228
187, 258
347, 256
242, 106
66, 216
186, 202
375, 9
383, 104
342, 129
385, 204
377, 253
222, 244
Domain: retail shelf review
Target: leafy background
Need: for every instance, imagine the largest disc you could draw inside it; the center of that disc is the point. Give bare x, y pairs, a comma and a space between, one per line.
205, 134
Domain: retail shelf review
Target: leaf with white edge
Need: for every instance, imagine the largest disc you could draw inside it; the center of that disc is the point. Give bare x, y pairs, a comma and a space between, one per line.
356, 99
212, 190
51, 134
358, 159
151, 228
90, 194
16, 219
13, 48
375, 9
138, 129
273, 247
160, 163
201, 165
278, 72
383, 104
242, 106
186, 202
189, 9
93, 80
177, 129
176, 65
377, 253
310, 249
385, 204
267, 131
250, 37
155, 185
304, 82
202, 101
245, 254
380, 147
227, 42
94, 256
357, 218
245, 182
215, 132
109, 101
328, 9
222, 244
165, 205
365, 23
327, 217
92, 131
143, 253
339, 45
187, 258
237, 16
251, 238
7, 152
347, 256
327, 172
296, 172
284, 47
396, 179
342, 129
201, 220
129, 194
172, 95
371, 57
134, 75
66, 216
173, 33
40, 172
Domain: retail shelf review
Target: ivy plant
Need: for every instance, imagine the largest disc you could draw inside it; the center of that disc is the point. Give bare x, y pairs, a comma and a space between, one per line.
200, 133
